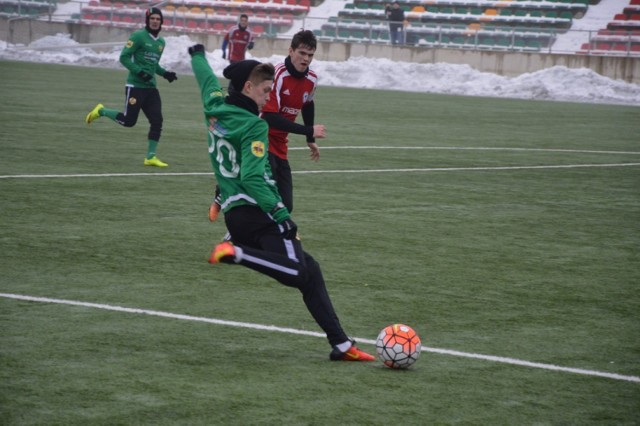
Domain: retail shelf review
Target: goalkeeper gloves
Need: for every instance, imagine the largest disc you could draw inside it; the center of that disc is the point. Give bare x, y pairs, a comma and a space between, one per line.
170, 76
288, 229
196, 48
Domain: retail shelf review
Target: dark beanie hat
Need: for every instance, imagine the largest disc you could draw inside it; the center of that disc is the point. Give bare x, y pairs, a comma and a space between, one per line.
239, 72
153, 11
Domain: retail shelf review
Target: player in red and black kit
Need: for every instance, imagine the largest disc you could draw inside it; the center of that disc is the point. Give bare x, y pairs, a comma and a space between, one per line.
292, 93
239, 40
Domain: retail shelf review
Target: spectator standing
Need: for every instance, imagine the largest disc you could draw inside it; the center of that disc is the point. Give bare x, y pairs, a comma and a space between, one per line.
239, 39
395, 15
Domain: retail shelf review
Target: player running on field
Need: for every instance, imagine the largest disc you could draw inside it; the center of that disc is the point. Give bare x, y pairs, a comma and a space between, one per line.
141, 56
263, 233
238, 40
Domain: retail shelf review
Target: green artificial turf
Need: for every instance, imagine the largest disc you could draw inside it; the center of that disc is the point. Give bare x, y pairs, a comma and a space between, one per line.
496, 227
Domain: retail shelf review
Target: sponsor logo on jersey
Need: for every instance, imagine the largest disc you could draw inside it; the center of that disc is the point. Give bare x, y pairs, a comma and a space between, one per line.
129, 44
257, 148
132, 101
286, 92
288, 110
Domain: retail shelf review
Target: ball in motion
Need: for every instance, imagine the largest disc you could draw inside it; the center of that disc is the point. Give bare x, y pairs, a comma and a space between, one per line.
398, 346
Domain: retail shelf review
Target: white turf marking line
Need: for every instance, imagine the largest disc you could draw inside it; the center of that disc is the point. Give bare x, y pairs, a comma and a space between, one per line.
307, 172
458, 148
503, 360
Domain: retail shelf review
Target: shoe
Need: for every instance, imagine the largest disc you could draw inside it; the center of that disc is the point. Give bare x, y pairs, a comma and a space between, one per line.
154, 161
214, 209
95, 113
352, 354
223, 252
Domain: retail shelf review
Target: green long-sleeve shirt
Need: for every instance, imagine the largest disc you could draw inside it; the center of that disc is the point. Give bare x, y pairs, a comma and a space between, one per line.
238, 147
142, 53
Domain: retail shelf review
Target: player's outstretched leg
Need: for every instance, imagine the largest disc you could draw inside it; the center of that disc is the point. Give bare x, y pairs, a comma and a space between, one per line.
94, 114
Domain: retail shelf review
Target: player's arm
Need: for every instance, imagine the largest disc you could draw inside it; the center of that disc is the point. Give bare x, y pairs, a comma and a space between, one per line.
210, 90
250, 44
308, 116
253, 174
127, 53
225, 43
277, 121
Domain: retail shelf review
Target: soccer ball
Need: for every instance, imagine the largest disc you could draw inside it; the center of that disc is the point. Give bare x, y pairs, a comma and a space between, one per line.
398, 346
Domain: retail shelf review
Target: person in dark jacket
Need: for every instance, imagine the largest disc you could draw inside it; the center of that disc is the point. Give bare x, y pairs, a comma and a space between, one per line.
395, 15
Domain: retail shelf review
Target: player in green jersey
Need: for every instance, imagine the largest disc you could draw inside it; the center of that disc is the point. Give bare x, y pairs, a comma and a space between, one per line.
263, 233
141, 56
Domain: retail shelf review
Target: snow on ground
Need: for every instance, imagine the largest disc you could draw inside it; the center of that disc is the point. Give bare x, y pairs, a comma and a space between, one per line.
556, 83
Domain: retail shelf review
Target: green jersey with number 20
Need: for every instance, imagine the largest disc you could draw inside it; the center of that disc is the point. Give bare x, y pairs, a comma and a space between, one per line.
238, 147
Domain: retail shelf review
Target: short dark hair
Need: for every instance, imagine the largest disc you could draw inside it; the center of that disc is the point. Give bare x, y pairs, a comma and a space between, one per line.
262, 72
304, 37
244, 15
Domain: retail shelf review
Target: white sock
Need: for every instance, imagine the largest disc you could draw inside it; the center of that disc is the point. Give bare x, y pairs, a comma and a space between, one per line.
343, 347
239, 252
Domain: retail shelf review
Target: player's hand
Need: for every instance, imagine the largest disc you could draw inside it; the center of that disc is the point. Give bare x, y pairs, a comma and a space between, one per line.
145, 76
170, 76
196, 48
250, 45
319, 131
315, 151
224, 55
288, 229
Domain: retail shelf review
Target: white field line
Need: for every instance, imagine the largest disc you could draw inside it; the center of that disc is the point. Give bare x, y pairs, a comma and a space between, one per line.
424, 170
253, 326
459, 148
307, 172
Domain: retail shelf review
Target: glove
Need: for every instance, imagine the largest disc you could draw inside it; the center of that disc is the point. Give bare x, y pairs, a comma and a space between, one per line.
250, 45
288, 229
196, 48
170, 76
145, 76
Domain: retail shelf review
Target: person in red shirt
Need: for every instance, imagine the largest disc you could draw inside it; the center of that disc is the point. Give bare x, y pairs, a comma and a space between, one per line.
294, 87
239, 39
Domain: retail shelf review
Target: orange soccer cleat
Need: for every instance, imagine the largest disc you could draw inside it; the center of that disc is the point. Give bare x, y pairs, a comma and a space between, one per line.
352, 354
223, 252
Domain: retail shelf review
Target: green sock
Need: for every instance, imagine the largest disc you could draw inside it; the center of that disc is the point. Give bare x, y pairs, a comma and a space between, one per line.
110, 113
151, 150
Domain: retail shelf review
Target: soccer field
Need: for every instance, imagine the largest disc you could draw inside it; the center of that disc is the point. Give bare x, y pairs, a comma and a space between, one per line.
505, 232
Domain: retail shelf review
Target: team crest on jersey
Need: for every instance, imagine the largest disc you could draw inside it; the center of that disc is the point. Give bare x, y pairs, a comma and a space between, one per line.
132, 101
160, 48
257, 148
129, 44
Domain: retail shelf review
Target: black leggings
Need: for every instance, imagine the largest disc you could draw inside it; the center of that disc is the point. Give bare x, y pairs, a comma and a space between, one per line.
281, 171
266, 251
147, 100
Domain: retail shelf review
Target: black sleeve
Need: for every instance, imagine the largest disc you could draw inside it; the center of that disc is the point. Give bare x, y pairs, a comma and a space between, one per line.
277, 121
308, 116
